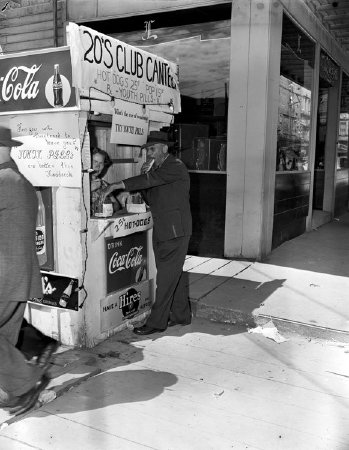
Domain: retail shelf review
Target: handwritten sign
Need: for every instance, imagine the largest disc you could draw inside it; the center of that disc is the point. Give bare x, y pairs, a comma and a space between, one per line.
129, 124
121, 70
50, 154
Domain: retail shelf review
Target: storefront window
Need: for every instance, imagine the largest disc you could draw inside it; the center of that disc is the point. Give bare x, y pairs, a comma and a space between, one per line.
204, 76
343, 129
296, 72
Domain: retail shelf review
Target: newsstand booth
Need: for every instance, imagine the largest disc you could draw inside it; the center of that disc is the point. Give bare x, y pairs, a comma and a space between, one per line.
97, 272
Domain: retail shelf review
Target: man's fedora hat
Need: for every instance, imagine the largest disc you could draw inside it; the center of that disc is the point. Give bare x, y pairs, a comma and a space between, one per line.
6, 138
157, 137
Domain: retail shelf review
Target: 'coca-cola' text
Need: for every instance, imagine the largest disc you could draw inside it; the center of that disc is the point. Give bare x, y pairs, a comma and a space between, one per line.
19, 83
121, 262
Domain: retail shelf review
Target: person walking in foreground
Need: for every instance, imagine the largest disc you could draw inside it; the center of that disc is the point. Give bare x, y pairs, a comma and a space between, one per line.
165, 183
20, 382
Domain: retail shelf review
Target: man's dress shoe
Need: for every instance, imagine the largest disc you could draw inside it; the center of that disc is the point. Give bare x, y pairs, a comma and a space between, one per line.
45, 356
28, 401
145, 329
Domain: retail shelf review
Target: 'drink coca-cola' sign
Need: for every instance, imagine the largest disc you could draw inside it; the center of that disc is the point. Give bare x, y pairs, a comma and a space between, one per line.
36, 81
126, 260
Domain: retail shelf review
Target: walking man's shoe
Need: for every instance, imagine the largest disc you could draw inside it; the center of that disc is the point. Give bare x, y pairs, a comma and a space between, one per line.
28, 401
45, 356
144, 330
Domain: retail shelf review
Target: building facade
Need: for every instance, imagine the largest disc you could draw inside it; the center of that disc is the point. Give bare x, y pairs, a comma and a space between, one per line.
265, 107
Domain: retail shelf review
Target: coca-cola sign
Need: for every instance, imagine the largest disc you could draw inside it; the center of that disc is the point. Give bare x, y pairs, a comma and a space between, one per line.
32, 81
133, 258
126, 260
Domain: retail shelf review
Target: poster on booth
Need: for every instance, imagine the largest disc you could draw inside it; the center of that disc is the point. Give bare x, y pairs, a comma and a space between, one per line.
126, 260
130, 124
36, 80
124, 304
59, 291
121, 70
50, 154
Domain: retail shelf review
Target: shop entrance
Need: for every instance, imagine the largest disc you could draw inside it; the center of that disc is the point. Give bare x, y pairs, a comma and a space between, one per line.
325, 150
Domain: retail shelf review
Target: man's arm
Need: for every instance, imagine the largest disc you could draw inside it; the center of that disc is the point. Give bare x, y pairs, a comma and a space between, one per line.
111, 188
169, 172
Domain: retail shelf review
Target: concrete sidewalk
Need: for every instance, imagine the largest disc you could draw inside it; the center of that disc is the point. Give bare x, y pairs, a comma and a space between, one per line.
303, 286
206, 386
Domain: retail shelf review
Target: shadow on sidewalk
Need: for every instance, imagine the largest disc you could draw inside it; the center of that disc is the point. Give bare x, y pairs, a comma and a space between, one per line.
112, 388
229, 299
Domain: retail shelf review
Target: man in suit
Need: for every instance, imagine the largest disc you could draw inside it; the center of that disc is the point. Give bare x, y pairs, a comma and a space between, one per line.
20, 382
165, 183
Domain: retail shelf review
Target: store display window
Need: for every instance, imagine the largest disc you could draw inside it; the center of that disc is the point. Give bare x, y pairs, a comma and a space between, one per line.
296, 73
343, 128
201, 127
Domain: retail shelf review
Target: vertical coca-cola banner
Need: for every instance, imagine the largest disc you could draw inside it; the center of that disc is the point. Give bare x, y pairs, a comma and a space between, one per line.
126, 261
37, 80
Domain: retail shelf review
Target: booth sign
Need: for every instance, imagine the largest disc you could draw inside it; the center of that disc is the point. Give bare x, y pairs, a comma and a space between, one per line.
104, 64
124, 304
126, 260
58, 291
27, 81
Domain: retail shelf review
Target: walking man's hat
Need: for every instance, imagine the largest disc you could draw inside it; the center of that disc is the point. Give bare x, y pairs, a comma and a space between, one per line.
6, 138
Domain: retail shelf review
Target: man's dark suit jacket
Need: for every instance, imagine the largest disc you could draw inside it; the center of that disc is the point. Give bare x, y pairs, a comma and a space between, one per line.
167, 194
20, 277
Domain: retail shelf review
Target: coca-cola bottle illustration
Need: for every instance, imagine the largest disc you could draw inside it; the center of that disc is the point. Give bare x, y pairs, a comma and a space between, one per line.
40, 234
57, 87
63, 301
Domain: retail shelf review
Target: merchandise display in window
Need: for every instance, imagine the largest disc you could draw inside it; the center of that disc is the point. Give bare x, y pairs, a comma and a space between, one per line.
343, 129
296, 73
293, 126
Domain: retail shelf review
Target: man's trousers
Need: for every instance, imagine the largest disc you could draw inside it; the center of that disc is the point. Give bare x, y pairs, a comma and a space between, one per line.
171, 298
16, 375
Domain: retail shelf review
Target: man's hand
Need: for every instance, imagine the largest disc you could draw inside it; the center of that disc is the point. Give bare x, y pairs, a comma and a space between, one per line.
111, 188
123, 198
106, 191
147, 165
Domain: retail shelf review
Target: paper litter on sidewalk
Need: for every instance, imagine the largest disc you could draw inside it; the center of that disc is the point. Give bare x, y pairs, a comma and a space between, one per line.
270, 331
46, 396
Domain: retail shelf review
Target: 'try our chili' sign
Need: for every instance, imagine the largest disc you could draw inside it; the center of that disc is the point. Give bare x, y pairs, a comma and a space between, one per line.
37, 80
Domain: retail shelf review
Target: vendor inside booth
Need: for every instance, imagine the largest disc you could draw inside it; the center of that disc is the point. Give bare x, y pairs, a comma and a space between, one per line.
100, 164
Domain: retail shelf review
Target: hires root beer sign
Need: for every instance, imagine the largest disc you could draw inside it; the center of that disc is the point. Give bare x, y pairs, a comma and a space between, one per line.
36, 81
126, 260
